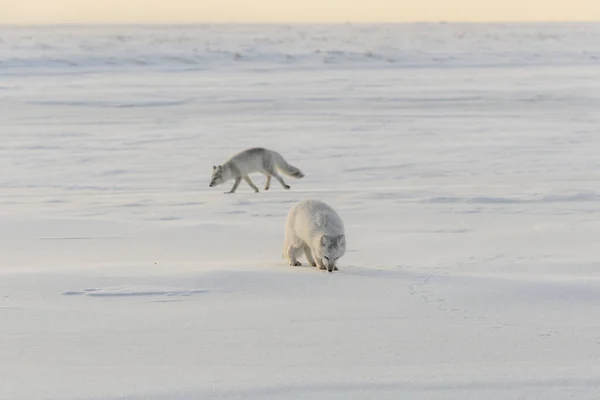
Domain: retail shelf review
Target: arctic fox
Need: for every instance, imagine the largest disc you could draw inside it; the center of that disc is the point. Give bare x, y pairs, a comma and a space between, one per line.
253, 160
315, 229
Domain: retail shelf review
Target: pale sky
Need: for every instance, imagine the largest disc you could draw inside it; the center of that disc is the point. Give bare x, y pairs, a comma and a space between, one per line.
190, 11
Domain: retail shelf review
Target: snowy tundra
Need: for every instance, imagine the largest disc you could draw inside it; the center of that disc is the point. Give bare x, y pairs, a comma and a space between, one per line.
463, 159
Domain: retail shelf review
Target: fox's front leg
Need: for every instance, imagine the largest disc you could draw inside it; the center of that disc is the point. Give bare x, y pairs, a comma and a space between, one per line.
320, 263
309, 256
235, 185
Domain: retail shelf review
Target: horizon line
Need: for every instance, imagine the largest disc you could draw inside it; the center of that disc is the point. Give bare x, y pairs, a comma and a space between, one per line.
273, 23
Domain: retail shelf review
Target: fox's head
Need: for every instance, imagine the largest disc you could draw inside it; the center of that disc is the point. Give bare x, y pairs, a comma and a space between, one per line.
331, 249
217, 176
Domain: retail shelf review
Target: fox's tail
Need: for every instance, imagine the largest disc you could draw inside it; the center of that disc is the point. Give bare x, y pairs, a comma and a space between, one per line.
286, 168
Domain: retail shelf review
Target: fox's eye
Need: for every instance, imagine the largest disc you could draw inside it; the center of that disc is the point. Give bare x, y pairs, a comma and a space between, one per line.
325, 257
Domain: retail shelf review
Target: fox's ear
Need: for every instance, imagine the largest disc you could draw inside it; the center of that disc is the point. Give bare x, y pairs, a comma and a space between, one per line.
341, 237
214, 167
324, 240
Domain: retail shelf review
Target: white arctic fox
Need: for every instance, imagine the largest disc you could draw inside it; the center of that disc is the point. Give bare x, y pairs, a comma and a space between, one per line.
253, 160
316, 229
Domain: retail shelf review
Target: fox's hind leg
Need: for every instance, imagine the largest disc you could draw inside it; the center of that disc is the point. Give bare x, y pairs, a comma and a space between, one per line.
249, 182
267, 173
280, 179
271, 169
309, 257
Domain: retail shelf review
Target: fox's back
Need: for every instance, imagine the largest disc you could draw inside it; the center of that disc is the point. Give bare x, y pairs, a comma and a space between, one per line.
314, 217
251, 160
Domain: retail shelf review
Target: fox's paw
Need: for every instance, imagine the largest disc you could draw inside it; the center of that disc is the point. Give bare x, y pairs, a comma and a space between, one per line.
287, 187
323, 267
335, 269
314, 264
296, 264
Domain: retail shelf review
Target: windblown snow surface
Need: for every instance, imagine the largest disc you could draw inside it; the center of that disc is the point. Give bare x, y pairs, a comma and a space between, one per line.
464, 160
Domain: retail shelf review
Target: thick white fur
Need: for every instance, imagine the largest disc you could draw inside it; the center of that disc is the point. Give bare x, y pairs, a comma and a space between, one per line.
314, 229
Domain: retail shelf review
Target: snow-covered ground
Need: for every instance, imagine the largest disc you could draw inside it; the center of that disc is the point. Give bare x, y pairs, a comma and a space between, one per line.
464, 160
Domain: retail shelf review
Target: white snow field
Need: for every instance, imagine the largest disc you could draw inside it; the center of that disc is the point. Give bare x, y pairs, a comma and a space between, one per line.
464, 160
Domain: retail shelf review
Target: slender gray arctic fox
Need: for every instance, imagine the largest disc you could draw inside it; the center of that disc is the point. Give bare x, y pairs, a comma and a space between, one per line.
252, 160
314, 229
